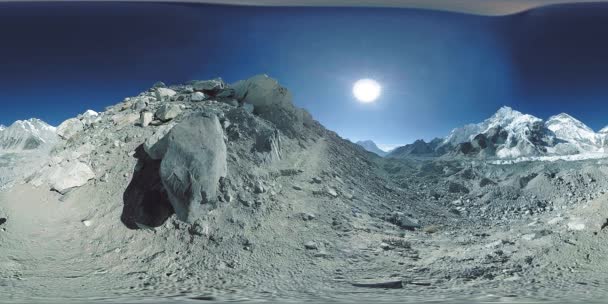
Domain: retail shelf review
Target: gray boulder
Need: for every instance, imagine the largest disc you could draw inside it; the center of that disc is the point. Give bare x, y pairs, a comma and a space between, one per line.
164, 93
197, 96
145, 118
64, 176
213, 85
69, 128
270, 101
402, 220
156, 145
167, 112
193, 164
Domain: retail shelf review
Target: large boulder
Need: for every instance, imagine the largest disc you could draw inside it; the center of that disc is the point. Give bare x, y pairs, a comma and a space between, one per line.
213, 85
193, 164
64, 176
167, 112
156, 145
69, 128
270, 101
164, 93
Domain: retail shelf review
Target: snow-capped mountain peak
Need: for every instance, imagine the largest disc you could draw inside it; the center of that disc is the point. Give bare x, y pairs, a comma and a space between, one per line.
26, 135
573, 131
371, 147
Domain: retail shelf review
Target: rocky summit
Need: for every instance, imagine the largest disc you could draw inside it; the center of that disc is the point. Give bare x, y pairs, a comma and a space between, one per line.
217, 191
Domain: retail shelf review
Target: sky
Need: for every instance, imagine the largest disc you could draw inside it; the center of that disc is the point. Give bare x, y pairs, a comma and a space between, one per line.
437, 70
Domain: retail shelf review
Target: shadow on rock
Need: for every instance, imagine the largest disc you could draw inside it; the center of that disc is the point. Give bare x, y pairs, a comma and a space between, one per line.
145, 200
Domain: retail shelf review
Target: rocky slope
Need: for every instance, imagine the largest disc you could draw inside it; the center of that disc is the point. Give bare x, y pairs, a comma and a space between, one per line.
24, 147
210, 191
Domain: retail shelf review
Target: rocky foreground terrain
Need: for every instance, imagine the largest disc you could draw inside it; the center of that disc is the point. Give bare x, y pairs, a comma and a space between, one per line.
209, 191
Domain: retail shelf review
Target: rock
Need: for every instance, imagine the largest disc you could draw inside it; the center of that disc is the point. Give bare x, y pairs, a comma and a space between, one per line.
259, 187
167, 112
105, 177
125, 119
576, 225
87, 223
402, 220
248, 107
308, 216
139, 105
89, 117
69, 128
213, 85
385, 246
193, 164
310, 245
145, 118
387, 284
457, 188
159, 84
156, 145
163, 94
271, 102
332, 192
63, 177
197, 96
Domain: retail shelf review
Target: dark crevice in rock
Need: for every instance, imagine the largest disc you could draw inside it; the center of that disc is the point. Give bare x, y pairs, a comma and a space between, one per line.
145, 201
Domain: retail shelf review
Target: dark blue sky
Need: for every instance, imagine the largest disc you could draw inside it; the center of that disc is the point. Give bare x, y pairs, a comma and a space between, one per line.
438, 70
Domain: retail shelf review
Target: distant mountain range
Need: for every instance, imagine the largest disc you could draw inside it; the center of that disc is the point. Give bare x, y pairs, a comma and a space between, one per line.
25, 135
510, 134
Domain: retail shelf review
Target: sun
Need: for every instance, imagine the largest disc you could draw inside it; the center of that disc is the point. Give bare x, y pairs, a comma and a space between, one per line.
366, 90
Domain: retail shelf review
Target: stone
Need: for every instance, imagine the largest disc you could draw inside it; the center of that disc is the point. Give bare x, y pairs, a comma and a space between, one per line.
139, 104
212, 85
271, 102
159, 84
193, 164
145, 118
310, 245
576, 225
308, 216
156, 145
197, 96
383, 285
163, 94
402, 220
167, 112
125, 119
259, 187
64, 176
69, 128
332, 192
248, 107
89, 117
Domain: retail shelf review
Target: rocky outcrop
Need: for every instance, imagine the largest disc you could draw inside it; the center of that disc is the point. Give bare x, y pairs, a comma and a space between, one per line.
193, 164
69, 128
270, 101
